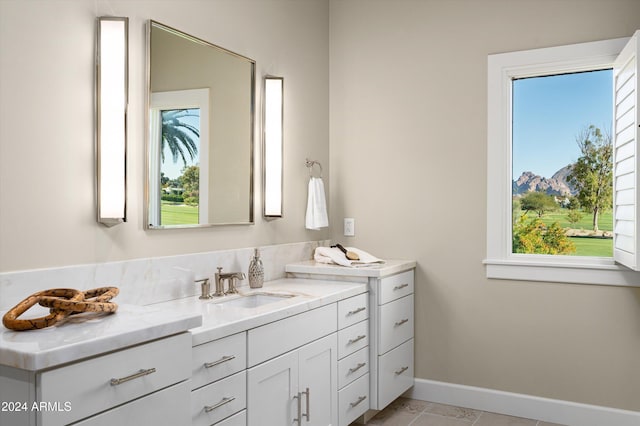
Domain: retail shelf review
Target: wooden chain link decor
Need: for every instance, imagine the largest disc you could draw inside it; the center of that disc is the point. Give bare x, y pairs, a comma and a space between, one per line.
61, 302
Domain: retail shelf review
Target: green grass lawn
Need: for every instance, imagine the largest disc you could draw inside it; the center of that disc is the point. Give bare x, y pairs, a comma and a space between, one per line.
584, 246
178, 214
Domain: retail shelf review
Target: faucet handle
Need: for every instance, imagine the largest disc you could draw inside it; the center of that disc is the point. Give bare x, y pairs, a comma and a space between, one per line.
205, 288
219, 268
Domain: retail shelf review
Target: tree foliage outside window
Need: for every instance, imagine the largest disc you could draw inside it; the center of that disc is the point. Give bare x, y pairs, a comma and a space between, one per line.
178, 134
592, 174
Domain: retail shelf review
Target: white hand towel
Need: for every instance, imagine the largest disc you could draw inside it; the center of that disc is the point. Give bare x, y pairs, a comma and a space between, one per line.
336, 256
316, 205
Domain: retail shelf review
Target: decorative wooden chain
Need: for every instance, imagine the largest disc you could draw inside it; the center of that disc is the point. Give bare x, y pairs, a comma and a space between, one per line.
61, 302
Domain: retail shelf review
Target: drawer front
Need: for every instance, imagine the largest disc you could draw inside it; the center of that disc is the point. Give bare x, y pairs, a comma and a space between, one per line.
217, 359
396, 323
88, 387
165, 407
271, 340
353, 310
395, 373
239, 419
353, 401
353, 339
353, 366
395, 286
219, 400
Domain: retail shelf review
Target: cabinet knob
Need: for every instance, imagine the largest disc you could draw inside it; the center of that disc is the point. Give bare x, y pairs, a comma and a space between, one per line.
402, 321
359, 400
141, 373
402, 370
355, 311
357, 339
401, 286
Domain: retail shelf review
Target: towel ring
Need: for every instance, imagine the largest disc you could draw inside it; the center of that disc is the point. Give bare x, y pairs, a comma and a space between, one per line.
310, 164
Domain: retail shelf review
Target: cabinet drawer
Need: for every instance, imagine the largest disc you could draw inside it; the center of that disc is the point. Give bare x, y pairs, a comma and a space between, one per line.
278, 337
353, 366
353, 401
239, 419
353, 310
165, 407
395, 373
353, 338
217, 359
396, 323
219, 400
395, 286
88, 387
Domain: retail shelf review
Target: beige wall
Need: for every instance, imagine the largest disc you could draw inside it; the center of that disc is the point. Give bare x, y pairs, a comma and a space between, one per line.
408, 159
47, 213
408, 147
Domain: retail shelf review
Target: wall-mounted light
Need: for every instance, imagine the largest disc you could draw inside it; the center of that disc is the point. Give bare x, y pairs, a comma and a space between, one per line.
272, 146
112, 97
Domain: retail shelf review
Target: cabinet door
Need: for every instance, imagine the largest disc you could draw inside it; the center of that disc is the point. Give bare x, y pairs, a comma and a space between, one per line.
271, 388
319, 377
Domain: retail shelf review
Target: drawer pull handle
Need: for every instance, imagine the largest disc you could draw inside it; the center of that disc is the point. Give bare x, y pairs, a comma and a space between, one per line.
401, 286
225, 400
360, 399
402, 370
308, 393
357, 367
141, 373
402, 321
220, 361
356, 311
357, 339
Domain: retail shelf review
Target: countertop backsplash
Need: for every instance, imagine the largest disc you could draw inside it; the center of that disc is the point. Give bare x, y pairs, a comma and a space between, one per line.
153, 280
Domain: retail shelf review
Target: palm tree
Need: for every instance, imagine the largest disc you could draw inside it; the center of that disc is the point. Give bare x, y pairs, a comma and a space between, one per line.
178, 135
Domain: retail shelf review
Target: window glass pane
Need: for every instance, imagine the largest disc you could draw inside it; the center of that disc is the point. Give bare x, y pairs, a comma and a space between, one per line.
179, 168
561, 164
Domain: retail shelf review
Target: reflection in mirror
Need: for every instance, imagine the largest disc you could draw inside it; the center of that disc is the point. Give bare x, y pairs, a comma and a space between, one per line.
200, 132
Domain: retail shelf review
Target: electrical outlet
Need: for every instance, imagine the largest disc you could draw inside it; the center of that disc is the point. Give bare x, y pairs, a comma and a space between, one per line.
349, 227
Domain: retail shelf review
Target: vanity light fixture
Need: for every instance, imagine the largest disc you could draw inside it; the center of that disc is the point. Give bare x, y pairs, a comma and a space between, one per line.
112, 98
272, 146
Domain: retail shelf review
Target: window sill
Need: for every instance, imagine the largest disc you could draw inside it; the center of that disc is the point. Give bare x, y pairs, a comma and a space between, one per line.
573, 271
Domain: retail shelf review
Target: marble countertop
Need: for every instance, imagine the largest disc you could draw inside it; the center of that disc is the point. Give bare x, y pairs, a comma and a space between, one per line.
390, 267
220, 320
86, 335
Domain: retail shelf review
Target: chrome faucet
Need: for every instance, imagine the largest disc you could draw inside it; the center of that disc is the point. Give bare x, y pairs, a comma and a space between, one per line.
231, 278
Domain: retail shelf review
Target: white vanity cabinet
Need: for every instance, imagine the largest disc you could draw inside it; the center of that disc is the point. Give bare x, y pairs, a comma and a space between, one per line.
390, 334
218, 380
393, 325
292, 375
353, 354
143, 384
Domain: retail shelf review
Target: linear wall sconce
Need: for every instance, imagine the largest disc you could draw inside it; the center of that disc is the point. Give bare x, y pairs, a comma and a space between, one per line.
112, 98
273, 146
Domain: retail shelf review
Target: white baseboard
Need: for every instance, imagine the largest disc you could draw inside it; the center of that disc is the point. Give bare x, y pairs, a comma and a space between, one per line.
520, 405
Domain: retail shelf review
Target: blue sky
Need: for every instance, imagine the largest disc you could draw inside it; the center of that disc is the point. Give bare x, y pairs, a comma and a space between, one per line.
548, 113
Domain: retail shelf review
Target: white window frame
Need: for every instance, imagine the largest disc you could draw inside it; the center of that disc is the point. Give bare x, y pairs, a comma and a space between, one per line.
501, 263
178, 99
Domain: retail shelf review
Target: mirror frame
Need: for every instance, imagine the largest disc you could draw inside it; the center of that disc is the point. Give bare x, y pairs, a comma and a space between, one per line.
146, 211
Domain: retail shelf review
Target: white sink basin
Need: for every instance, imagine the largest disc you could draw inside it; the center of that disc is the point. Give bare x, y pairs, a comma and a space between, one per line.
254, 300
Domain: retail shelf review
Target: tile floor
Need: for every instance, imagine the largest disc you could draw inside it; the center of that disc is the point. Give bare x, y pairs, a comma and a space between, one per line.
412, 412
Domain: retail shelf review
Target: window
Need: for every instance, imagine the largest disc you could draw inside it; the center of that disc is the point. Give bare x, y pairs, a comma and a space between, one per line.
503, 71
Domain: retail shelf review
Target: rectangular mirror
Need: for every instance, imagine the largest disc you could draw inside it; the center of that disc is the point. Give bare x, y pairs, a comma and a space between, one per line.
272, 146
200, 126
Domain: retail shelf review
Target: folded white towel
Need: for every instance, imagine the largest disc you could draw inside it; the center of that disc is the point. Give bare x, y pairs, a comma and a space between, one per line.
336, 256
316, 205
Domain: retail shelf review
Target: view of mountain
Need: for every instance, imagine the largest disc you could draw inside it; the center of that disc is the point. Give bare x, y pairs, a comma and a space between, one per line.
555, 185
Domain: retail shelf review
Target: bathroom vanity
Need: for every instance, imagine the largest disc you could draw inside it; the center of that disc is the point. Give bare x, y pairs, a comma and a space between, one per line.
391, 323
131, 366
319, 351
